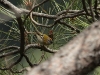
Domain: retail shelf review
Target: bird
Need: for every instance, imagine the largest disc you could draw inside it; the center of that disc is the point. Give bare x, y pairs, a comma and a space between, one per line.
43, 39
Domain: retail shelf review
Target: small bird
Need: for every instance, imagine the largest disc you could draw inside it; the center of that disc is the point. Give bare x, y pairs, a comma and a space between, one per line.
43, 38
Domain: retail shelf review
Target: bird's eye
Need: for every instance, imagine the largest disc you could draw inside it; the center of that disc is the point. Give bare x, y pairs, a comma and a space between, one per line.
41, 36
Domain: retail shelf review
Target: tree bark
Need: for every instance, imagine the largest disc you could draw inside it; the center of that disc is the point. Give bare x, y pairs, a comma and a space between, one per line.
80, 56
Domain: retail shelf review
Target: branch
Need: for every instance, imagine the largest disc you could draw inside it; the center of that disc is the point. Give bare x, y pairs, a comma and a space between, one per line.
22, 37
95, 8
10, 6
13, 64
8, 48
9, 53
44, 1
17, 49
27, 59
70, 26
91, 10
40, 47
33, 7
17, 12
58, 16
84, 7
80, 56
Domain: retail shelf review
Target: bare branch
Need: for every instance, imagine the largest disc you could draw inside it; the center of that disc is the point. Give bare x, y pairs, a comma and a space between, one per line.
33, 7
85, 7
44, 1
13, 64
10, 6
70, 26
9, 47
9, 53
40, 47
91, 10
22, 38
28, 61
95, 8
